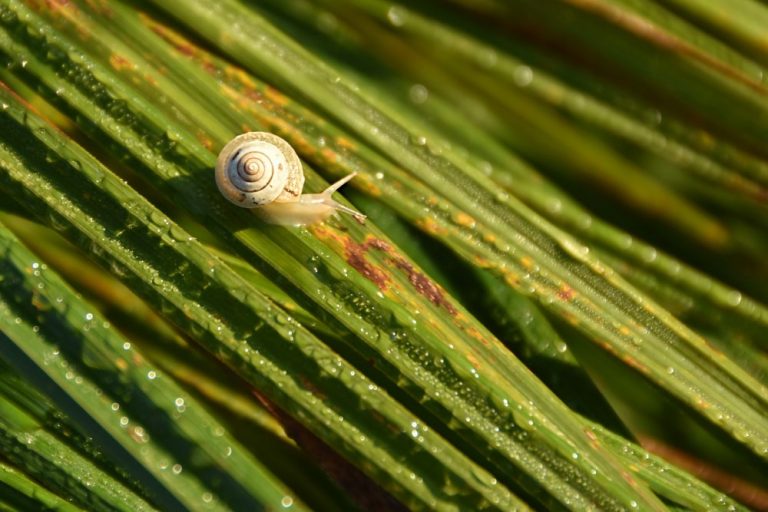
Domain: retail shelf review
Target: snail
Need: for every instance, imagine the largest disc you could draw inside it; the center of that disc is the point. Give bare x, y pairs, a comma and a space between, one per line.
262, 171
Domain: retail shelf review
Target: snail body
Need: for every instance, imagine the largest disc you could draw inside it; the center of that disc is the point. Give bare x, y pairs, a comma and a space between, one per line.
262, 171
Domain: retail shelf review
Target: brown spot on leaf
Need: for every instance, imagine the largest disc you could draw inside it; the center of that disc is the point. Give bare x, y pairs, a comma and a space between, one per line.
482, 262
206, 141
565, 293
276, 97
527, 262
421, 283
210, 68
119, 62
474, 333
328, 155
354, 253
53, 5
345, 143
511, 278
430, 226
186, 49
425, 286
462, 219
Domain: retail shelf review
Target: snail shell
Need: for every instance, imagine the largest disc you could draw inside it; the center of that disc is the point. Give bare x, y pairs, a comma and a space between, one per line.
256, 168
262, 171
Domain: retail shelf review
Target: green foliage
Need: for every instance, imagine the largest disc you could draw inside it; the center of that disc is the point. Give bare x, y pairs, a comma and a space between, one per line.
562, 267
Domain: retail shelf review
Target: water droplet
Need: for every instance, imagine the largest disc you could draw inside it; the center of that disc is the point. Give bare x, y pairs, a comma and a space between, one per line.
555, 205
650, 254
488, 58
418, 94
396, 16
486, 167
577, 250
733, 298
523, 76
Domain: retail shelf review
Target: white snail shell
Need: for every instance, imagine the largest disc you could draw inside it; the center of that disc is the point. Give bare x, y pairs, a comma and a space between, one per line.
257, 168
260, 170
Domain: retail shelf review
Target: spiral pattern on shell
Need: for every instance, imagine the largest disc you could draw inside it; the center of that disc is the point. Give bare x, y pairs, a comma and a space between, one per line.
257, 168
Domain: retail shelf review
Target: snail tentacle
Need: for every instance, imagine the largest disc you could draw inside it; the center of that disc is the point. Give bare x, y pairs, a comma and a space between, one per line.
325, 198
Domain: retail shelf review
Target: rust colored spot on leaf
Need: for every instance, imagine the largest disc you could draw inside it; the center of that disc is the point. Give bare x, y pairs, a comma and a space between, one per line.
566, 293
354, 253
425, 286
329, 155
210, 68
345, 143
462, 219
52, 4
474, 333
473, 361
119, 62
355, 256
276, 97
379, 244
511, 278
254, 95
634, 363
206, 141
482, 262
369, 186
186, 49
430, 226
